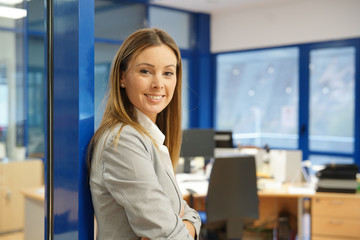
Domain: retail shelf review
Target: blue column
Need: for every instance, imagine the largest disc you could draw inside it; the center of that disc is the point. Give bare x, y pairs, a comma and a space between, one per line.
202, 77
73, 111
304, 101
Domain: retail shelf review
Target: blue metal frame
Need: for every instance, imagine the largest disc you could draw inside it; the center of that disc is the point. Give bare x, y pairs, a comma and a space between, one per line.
73, 113
203, 71
303, 126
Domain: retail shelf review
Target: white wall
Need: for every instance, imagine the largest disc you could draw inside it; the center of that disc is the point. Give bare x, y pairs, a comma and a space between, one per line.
285, 23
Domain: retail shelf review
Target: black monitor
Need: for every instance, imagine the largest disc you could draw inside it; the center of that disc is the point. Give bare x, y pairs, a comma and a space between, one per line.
224, 139
197, 142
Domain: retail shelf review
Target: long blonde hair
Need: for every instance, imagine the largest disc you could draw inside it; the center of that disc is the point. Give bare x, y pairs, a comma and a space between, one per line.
119, 109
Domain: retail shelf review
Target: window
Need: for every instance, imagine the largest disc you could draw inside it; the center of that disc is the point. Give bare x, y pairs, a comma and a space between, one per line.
258, 99
257, 96
332, 99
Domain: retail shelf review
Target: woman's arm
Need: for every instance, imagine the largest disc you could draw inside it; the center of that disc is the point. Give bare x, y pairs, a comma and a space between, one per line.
191, 216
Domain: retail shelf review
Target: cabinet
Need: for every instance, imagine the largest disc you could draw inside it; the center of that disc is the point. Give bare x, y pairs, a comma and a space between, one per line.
14, 177
335, 216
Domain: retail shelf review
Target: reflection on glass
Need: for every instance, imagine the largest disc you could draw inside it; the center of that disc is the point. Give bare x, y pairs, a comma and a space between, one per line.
104, 54
176, 23
185, 94
115, 20
22, 121
257, 97
332, 98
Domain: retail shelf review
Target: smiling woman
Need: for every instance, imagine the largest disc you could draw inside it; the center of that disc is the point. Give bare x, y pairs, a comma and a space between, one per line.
151, 79
134, 151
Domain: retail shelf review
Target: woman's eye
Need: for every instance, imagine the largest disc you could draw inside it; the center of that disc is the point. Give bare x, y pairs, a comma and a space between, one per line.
144, 71
169, 73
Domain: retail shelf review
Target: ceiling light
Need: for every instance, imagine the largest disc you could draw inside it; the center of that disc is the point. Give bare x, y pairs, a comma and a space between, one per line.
13, 13
11, 2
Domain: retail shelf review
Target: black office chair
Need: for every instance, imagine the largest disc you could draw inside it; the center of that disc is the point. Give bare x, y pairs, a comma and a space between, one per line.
232, 198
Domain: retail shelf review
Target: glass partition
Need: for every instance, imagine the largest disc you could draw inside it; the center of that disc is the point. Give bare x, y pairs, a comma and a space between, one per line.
176, 23
22, 118
114, 21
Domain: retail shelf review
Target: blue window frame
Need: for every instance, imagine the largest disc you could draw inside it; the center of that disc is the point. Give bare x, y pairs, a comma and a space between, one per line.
318, 112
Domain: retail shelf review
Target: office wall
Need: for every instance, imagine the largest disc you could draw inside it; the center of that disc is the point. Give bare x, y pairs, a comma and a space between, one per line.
284, 23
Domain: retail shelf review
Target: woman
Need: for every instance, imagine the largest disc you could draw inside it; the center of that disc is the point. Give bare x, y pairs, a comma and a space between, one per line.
137, 145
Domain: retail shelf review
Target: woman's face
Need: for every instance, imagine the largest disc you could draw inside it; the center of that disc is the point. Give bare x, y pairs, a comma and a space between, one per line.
151, 79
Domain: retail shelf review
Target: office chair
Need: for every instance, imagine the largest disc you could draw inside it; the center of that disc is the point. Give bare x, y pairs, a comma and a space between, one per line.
232, 196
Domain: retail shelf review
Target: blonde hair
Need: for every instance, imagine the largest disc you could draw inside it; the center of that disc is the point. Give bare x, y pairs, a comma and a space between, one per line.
119, 109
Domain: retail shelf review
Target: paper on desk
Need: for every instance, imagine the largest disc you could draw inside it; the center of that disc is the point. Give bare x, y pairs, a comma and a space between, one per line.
307, 190
192, 183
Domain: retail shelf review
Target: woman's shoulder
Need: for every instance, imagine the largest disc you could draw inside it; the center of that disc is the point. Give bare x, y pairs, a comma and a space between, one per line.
120, 131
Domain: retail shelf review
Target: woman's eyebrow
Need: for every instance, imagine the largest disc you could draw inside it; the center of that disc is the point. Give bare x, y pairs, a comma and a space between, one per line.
170, 65
147, 64
151, 65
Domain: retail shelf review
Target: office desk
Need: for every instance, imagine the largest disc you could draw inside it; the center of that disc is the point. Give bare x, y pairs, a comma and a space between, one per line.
333, 215
273, 200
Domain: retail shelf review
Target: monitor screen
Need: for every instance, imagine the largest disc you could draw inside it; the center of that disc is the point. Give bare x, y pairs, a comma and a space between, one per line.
197, 143
224, 139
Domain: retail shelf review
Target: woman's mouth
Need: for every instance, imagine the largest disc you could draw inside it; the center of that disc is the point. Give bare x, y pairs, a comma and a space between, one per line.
155, 97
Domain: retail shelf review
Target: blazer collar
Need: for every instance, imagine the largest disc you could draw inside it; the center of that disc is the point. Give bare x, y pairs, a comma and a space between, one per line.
151, 127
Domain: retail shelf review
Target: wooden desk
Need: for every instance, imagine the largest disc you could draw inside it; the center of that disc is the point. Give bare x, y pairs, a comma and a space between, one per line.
272, 202
333, 215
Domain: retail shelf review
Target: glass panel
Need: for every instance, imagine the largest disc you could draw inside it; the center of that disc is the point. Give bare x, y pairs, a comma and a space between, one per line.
22, 122
332, 98
115, 21
104, 54
322, 160
257, 97
35, 19
176, 23
185, 94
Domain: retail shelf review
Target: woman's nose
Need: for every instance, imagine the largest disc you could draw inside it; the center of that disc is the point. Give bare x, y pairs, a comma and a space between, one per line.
158, 82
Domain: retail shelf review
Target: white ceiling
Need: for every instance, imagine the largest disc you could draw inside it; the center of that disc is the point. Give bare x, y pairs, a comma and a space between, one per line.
213, 6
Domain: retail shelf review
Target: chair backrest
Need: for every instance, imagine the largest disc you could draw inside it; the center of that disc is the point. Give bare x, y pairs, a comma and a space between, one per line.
232, 191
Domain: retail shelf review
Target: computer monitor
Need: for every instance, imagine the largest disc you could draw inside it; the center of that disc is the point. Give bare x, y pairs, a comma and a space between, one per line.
223, 139
196, 142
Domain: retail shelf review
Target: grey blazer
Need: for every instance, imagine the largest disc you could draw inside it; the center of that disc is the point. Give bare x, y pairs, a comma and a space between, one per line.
134, 194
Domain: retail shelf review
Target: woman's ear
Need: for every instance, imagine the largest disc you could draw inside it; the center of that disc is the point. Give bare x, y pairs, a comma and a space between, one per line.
122, 80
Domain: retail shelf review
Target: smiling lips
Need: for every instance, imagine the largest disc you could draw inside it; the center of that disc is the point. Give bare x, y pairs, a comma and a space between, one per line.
155, 97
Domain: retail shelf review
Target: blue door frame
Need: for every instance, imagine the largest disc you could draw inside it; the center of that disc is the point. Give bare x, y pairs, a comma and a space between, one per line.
73, 119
